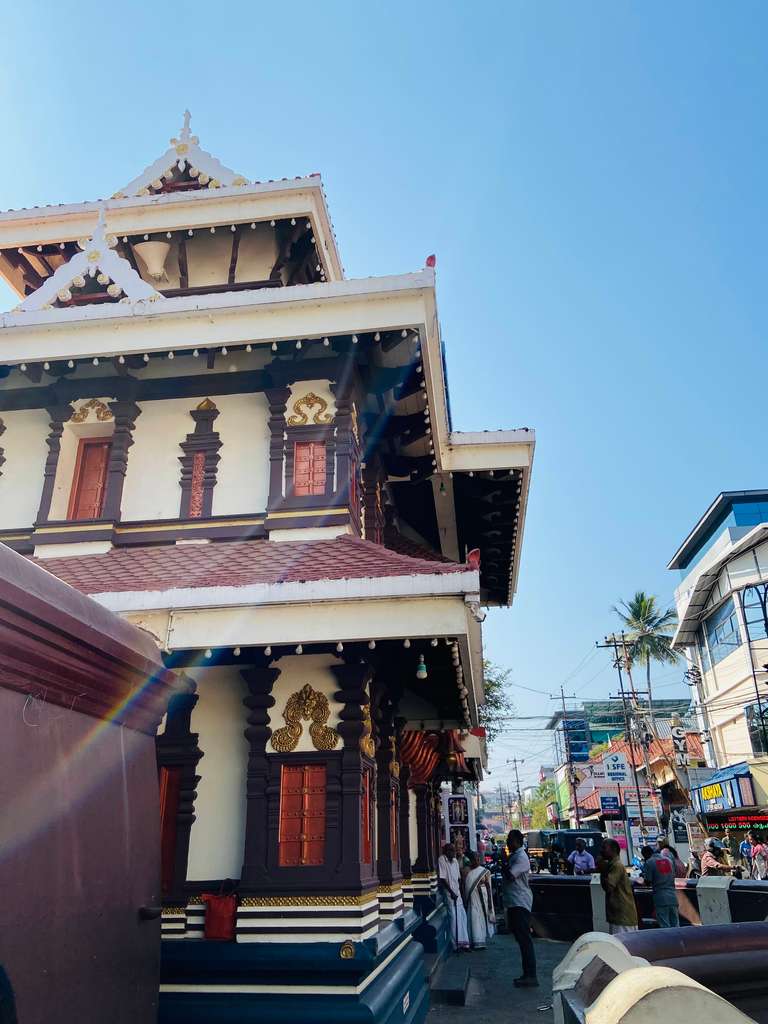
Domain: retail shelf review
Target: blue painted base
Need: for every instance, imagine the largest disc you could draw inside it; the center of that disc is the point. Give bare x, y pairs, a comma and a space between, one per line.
227, 983
434, 932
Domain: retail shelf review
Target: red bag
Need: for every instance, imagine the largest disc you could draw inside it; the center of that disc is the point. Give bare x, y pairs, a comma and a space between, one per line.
220, 917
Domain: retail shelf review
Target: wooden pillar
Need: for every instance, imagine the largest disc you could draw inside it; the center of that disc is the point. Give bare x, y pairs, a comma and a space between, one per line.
357, 757
260, 681
59, 415
178, 752
125, 414
278, 402
388, 795
425, 857
348, 484
405, 823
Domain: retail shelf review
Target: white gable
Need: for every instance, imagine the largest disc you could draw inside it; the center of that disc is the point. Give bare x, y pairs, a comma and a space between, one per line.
184, 152
98, 257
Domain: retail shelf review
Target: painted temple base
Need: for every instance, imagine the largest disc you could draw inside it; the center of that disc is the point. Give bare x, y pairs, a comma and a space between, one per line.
380, 979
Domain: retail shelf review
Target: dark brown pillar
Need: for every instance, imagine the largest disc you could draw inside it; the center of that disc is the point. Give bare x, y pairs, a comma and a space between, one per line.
425, 860
348, 484
59, 415
125, 414
278, 402
352, 729
260, 681
177, 748
387, 795
405, 823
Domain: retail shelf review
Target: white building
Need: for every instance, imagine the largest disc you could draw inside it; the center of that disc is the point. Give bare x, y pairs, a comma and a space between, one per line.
209, 429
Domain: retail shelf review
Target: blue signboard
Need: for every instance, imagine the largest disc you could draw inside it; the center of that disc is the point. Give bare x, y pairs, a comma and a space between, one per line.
609, 805
577, 738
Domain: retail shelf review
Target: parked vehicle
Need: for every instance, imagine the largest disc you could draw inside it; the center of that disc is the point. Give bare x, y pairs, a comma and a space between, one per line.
550, 848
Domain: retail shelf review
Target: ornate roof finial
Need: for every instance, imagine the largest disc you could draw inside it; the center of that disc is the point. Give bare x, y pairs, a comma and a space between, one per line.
185, 129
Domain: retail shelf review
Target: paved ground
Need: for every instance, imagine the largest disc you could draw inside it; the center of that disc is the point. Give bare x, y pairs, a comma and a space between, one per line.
492, 998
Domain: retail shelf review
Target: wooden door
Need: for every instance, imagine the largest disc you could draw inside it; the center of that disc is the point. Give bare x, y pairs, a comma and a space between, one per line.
87, 499
302, 815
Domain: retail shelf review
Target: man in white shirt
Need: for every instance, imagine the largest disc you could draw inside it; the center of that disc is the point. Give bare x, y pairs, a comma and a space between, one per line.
518, 900
449, 880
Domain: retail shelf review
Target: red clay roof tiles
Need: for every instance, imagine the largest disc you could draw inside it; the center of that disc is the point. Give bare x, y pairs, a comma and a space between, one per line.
237, 564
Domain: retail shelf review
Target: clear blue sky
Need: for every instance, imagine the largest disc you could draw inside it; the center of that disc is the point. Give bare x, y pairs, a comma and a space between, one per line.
592, 178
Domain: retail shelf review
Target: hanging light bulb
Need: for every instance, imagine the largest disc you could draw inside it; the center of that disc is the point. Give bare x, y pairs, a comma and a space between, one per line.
274, 346
236, 652
339, 647
299, 649
406, 643
195, 353
267, 651
95, 360
421, 670
249, 347
145, 357
71, 364
371, 645
208, 653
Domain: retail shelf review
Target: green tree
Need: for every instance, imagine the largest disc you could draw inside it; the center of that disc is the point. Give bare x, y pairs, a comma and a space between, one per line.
498, 703
537, 807
649, 632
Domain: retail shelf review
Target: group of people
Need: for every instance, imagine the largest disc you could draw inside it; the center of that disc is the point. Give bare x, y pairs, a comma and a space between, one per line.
754, 856
466, 887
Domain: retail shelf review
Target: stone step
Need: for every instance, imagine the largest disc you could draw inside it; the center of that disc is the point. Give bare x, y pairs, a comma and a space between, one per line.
450, 981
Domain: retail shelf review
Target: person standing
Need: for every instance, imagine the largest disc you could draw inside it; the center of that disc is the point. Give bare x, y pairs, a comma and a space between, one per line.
659, 873
620, 909
759, 858
518, 901
581, 860
449, 881
481, 916
745, 853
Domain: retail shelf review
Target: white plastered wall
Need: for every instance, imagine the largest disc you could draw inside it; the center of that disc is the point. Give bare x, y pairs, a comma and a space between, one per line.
218, 832
256, 254
70, 441
295, 672
21, 476
242, 481
152, 489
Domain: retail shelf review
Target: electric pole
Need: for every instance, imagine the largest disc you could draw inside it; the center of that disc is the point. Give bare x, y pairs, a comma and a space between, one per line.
611, 642
572, 781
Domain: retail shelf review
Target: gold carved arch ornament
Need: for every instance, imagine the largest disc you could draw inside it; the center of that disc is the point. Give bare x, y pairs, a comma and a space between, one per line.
310, 706
103, 412
301, 411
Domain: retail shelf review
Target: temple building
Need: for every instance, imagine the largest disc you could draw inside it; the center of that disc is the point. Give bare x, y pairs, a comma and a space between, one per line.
209, 429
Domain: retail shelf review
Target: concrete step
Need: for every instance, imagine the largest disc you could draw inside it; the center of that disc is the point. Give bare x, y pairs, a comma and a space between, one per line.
449, 983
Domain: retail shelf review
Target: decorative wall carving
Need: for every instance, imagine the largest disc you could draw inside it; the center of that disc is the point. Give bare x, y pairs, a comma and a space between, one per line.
102, 411
310, 706
300, 418
367, 744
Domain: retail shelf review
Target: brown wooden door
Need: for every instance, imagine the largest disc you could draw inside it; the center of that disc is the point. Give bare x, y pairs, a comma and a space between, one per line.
309, 468
90, 479
302, 815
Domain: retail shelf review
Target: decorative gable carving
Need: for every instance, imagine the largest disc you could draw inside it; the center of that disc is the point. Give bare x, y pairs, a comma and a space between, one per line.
184, 166
102, 411
301, 411
99, 260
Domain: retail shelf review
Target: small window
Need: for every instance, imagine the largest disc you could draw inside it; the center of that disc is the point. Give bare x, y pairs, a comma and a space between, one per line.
302, 815
89, 483
309, 468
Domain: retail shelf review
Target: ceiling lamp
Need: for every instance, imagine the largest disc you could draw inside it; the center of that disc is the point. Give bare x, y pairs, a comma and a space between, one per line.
153, 255
421, 670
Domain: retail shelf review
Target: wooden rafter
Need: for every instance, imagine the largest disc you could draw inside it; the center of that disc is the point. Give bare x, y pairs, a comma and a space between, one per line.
233, 256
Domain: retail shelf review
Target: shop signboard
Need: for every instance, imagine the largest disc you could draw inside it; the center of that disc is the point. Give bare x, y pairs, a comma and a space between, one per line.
678, 821
610, 805
616, 769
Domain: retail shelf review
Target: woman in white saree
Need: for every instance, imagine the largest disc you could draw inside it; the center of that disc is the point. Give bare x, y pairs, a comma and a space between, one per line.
481, 917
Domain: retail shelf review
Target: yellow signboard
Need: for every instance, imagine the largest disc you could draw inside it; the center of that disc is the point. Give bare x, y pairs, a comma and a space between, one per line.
711, 792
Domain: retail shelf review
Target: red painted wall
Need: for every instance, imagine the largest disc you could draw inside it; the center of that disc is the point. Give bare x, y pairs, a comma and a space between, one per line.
79, 855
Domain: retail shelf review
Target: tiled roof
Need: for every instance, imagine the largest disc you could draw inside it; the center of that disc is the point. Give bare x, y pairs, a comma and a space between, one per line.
237, 564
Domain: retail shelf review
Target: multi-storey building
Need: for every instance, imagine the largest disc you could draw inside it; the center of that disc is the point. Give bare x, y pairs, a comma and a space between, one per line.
210, 430
722, 605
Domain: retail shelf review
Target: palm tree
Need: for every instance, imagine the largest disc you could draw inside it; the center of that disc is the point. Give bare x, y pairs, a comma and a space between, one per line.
648, 632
